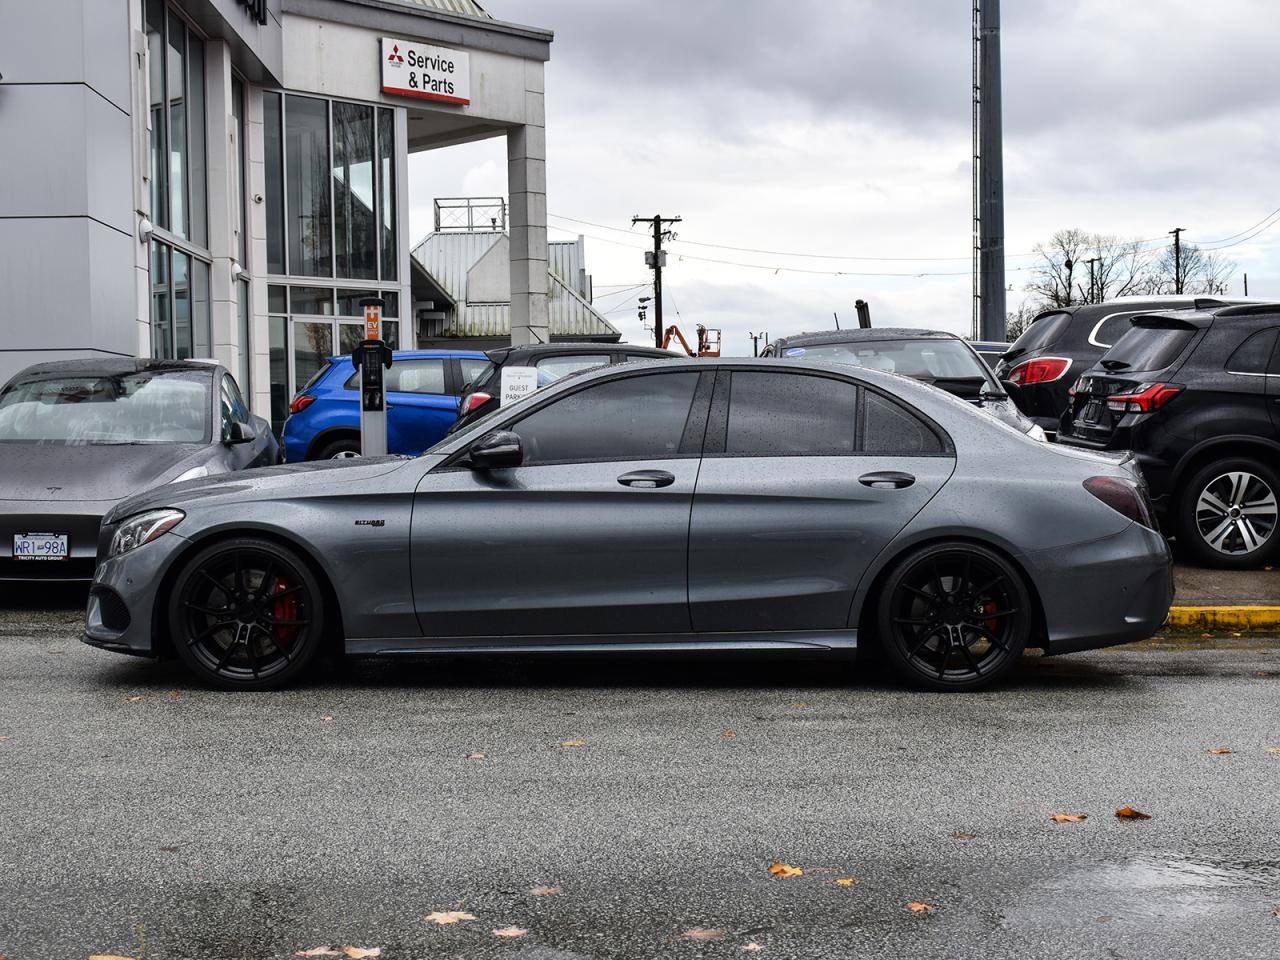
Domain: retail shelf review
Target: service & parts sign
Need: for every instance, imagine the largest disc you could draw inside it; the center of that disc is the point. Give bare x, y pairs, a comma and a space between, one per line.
414, 69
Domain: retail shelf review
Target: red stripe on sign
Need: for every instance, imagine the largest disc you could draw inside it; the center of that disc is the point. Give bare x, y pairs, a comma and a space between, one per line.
424, 95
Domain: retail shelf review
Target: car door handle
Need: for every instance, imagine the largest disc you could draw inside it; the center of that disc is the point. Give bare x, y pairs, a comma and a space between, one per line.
887, 480
647, 478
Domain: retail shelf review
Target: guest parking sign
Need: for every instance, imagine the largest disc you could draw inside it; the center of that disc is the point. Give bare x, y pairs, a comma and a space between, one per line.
414, 69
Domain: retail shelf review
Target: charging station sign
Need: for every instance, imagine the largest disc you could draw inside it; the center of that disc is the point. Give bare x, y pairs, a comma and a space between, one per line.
413, 69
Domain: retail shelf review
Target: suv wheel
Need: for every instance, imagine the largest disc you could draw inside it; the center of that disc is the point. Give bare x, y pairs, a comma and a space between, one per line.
1228, 514
339, 450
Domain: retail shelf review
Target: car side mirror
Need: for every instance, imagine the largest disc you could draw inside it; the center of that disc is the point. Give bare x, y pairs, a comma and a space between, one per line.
496, 450
239, 433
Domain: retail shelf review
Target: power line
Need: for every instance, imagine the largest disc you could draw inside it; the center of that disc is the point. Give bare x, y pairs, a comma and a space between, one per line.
1244, 231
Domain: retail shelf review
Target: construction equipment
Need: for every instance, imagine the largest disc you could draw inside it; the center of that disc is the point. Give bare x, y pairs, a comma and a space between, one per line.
708, 341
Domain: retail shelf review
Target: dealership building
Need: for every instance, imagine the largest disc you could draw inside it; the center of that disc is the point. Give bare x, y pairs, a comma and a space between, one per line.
228, 178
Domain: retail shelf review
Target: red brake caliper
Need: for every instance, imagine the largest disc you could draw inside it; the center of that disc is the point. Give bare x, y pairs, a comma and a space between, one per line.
989, 606
286, 608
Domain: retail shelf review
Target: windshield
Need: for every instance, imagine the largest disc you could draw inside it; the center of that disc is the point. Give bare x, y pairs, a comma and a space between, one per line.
147, 407
949, 361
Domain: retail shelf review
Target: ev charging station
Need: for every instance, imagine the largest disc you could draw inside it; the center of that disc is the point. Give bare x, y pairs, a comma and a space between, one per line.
371, 356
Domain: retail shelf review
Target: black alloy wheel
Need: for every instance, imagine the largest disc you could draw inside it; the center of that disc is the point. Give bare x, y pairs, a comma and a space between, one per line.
1228, 514
246, 614
954, 616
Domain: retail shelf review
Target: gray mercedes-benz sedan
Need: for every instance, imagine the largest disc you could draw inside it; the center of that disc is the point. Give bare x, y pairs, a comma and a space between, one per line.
683, 505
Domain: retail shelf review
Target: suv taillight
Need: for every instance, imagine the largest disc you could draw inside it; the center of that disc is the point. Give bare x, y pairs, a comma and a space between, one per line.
1039, 370
472, 401
1148, 397
1123, 497
301, 402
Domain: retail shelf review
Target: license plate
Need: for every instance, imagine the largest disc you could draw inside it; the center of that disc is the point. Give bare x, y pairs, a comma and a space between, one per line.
40, 546
1092, 412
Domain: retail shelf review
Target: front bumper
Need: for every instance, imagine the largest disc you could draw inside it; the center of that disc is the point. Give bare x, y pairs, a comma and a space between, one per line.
80, 520
123, 597
1105, 592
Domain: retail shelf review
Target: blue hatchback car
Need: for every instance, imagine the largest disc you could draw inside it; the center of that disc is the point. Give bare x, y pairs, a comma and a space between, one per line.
423, 387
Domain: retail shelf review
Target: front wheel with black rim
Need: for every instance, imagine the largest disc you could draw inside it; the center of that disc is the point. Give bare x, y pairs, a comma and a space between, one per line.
246, 614
1227, 514
953, 616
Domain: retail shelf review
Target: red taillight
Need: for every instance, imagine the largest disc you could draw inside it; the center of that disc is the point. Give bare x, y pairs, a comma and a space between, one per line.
1039, 370
1148, 397
301, 402
1122, 497
472, 401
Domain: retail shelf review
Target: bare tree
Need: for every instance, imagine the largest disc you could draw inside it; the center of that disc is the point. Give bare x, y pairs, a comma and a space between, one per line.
1080, 267
1204, 272
1016, 321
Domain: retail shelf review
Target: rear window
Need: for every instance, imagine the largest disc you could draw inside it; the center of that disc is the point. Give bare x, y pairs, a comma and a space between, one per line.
316, 377
475, 372
1043, 333
1147, 348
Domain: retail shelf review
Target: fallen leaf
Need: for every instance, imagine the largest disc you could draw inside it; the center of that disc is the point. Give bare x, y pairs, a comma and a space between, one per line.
800, 706
446, 917
169, 849
1273, 749
326, 717
1069, 817
317, 952
1218, 750
110, 956
917, 907
751, 947
784, 870
128, 700
702, 933
476, 756
356, 953
511, 932
2, 740
1128, 813
728, 733
1261, 673
573, 743
1104, 919
544, 891
846, 882
959, 835
175, 694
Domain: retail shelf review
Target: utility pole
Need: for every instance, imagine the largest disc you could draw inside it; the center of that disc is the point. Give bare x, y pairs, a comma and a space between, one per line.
1093, 291
1246, 284
655, 259
990, 198
755, 342
1176, 233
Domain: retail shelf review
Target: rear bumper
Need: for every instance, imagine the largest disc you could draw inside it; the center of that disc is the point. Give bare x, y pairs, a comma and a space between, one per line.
1106, 592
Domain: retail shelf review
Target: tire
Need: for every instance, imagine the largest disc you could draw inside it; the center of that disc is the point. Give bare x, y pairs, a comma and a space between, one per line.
339, 449
246, 614
953, 616
1227, 514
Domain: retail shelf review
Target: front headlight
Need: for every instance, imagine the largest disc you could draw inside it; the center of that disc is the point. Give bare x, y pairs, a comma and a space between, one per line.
1037, 433
143, 528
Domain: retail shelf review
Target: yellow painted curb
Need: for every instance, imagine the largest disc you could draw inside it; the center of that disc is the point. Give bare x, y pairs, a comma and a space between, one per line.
1209, 619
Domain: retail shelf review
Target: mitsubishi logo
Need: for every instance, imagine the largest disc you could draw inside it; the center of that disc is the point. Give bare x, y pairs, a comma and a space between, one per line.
395, 54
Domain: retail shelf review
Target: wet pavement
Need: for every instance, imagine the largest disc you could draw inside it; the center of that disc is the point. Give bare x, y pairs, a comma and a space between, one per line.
144, 816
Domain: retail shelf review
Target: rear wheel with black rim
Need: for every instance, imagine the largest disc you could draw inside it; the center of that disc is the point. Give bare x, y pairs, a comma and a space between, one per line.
246, 614
1228, 513
953, 616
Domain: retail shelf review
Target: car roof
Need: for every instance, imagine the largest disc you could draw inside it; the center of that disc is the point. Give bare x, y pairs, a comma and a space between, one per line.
500, 354
421, 355
116, 366
864, 334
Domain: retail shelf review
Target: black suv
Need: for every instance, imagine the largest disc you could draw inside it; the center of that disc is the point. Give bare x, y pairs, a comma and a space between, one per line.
1062, 343
1196, 396
551, 361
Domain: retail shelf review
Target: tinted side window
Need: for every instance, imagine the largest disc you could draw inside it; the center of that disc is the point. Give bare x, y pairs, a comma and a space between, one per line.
1043, 332
231, 393
639, 418
790, 415
474, 370
1111, 329
416, 376
888, 428
1254, 354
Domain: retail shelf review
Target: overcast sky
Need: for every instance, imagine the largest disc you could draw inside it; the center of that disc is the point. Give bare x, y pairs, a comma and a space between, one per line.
843, 130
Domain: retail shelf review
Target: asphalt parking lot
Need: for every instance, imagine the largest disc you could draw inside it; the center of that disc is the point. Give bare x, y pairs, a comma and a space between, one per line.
146, 817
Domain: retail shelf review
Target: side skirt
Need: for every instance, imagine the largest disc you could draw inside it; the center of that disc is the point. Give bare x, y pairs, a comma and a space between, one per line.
812, 641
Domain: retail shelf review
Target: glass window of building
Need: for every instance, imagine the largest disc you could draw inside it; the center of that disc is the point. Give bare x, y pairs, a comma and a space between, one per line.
355, 207
387, 190
273, 144
307, 187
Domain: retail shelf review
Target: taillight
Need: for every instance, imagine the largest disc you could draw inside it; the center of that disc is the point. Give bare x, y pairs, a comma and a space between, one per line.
1039, 370
301, 402
1148, 397
472, 401
1123, 497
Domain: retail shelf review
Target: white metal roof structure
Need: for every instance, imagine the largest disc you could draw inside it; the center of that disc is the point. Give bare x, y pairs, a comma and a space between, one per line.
473, 270
467, 8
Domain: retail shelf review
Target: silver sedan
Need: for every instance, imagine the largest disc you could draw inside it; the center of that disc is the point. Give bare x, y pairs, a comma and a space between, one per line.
710, 505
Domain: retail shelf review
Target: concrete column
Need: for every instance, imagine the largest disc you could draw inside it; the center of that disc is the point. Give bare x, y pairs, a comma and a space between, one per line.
223, 197
256, 187
527, 186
